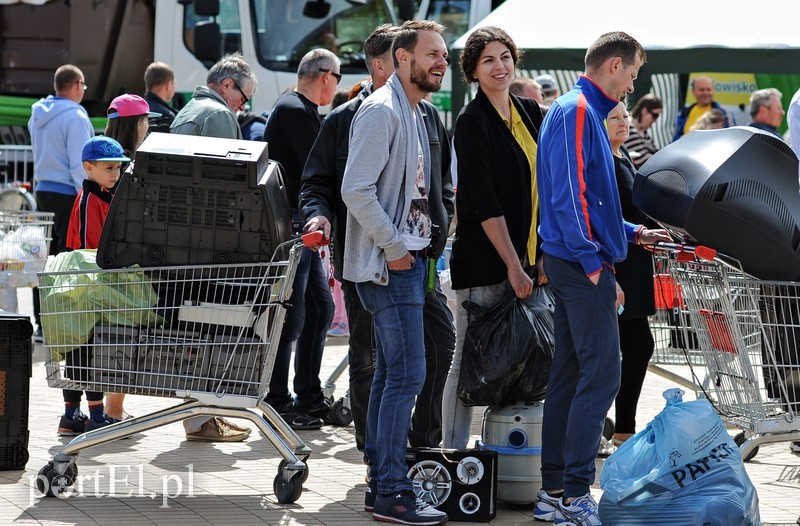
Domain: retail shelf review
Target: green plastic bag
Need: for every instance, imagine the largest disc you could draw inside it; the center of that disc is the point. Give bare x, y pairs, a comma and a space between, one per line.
76, 295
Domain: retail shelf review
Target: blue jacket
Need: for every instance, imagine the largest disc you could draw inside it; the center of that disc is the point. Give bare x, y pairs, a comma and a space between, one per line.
680, 122
580, 218
59, 128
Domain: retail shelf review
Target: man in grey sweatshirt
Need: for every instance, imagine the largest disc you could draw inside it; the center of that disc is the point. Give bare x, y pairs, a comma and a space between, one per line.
386, 186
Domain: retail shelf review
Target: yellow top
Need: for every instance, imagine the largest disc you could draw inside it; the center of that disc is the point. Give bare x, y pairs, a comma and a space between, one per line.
695, 113
528, 145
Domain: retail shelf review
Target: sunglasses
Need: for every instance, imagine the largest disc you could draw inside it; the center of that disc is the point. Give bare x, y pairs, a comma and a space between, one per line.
245, 97
654, 114
337, 76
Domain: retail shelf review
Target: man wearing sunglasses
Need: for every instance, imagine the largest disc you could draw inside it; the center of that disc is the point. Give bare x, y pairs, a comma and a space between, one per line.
229, 85
292, 128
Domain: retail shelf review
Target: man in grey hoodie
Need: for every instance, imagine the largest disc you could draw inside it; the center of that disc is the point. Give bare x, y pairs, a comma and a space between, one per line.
59, 127
386, 186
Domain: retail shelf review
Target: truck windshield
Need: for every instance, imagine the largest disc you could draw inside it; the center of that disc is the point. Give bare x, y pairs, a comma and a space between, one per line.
284, 34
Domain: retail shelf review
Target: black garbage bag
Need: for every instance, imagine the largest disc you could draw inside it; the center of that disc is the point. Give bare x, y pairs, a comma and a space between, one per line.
508, 350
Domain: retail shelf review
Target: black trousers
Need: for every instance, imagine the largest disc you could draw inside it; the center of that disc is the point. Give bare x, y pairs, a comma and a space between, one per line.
440, 342
637, 345
61, 206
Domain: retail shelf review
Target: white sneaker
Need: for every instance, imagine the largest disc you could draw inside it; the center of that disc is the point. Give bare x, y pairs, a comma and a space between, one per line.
580, 512
547, 508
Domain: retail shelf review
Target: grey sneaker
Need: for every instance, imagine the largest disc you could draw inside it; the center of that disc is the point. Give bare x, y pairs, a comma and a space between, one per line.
547, 508
580, 512
403, 507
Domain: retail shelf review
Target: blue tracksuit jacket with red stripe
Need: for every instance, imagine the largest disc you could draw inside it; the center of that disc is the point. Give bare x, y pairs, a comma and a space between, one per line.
580, 218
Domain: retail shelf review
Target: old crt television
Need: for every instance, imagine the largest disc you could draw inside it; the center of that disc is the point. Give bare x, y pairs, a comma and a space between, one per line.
196, 201
734, 190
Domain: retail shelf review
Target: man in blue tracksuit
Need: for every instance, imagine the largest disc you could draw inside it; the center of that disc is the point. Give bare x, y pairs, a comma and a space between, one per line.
583, 236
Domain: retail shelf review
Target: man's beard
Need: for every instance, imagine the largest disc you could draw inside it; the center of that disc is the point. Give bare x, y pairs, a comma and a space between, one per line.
419, 77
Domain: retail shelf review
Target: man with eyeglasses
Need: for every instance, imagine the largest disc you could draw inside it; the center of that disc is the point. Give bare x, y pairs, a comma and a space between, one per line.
291, 130
59, 127
211, 113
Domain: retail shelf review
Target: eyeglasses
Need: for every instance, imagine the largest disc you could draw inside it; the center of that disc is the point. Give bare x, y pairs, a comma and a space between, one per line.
654, 114
245, 97
82, 83
337, 76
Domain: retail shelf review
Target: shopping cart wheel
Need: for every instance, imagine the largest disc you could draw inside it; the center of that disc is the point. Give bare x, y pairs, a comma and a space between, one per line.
608, 428
51, 484
303, 474
341, 415
287, 491
740, 439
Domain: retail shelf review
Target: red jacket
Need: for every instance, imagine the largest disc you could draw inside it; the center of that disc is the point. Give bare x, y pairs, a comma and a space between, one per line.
88, 216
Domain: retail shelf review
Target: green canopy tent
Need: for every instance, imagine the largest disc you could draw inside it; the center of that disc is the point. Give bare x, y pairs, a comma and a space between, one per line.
680, 37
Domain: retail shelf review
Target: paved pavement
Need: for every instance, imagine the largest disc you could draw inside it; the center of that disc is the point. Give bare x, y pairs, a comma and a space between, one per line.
160, 478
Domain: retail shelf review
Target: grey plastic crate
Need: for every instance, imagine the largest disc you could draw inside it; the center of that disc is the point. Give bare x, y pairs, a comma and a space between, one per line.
116, 356
174, 360
235, 364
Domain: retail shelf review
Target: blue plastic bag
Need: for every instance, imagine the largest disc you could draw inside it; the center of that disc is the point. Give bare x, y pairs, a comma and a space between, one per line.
682, 469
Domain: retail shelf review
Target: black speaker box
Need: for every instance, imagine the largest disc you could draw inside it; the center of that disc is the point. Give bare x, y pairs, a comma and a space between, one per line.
459, 482
15, 374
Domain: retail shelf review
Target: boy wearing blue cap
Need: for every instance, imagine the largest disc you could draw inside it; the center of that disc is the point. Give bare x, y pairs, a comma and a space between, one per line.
102, 158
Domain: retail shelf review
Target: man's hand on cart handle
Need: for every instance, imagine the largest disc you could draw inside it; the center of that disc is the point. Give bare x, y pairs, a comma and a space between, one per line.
318, 224
651, 236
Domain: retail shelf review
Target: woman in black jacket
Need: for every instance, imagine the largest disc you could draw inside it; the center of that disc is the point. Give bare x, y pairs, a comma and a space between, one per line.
496, 199
635, 277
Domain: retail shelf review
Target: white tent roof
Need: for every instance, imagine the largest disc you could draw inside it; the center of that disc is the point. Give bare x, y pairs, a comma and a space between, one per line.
668, 24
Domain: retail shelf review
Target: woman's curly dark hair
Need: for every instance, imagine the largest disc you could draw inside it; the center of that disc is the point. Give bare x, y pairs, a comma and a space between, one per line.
477, 42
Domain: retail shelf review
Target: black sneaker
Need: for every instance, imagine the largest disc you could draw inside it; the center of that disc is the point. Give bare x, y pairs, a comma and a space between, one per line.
321, 410
297, 420
370, 495
107, 421
403, 507
71, 427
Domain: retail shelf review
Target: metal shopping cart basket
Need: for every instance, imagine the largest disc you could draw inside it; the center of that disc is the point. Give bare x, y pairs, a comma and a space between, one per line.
206, 334
748, 331
24, 243
674, 337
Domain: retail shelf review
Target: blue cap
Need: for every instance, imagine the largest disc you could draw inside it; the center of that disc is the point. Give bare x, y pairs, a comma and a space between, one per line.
102, 148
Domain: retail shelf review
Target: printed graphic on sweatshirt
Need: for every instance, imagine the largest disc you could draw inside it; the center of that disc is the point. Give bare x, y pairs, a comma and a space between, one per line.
418, 223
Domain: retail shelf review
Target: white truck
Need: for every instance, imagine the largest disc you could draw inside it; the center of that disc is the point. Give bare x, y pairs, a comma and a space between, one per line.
112, 41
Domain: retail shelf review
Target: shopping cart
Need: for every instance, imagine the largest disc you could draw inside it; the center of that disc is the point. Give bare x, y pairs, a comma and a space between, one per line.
674, 337
748, 331
206, 334
24, 242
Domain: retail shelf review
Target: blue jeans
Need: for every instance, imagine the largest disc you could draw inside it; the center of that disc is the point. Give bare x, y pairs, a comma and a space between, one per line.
306, 322
440, 339
399, 371
584, 377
